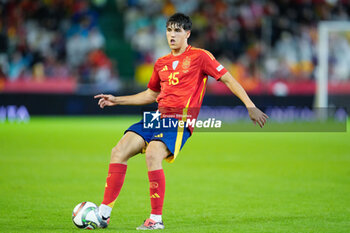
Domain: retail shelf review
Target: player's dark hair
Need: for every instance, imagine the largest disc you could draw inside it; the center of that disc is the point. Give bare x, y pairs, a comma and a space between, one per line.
180, 20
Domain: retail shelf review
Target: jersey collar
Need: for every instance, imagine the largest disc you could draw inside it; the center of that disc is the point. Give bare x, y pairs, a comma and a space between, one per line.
187, 49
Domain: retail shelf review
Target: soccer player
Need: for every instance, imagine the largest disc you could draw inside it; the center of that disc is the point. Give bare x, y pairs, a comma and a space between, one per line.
178, 82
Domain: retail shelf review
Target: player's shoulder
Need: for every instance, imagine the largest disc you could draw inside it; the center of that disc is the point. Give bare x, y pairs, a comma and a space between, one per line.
202, 52
160, 62
163, 58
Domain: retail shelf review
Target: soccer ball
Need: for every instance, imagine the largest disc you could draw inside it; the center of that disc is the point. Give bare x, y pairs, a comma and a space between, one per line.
85, 215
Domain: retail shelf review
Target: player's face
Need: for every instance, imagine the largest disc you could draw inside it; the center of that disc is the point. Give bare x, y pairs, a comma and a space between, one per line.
176, 36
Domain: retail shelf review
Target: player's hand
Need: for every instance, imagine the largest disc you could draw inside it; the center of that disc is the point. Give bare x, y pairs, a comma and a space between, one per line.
106, 100
257, 116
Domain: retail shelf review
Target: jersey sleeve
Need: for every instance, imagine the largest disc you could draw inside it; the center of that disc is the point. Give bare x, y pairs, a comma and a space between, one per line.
211, 66
154, 82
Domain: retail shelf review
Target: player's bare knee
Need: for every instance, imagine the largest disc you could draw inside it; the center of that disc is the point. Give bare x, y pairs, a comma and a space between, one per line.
117, 155
152, 156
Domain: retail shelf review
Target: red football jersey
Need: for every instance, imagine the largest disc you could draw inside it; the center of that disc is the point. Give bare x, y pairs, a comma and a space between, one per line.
181, 80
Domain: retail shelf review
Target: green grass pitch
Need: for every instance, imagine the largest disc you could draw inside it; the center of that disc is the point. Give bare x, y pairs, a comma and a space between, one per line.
220, 182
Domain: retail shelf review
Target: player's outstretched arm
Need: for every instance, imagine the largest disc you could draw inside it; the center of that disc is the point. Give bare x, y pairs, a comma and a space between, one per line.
255, 114
146, 97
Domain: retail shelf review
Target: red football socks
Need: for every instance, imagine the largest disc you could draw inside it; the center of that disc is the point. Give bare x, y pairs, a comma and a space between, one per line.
157, 190
114, 183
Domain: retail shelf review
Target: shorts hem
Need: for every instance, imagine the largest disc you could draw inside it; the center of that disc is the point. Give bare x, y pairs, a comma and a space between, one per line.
128, 130
160, 140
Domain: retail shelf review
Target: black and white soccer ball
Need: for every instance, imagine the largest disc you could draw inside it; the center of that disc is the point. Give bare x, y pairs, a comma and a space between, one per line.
85, 215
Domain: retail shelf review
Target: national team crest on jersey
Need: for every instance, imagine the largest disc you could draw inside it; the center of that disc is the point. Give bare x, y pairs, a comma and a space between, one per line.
186, 64
175, 63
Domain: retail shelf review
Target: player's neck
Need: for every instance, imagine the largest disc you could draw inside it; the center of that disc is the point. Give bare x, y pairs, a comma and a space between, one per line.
179, 51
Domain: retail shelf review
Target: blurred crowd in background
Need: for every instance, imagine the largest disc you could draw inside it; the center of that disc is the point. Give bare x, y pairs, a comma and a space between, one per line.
53, 40
255, 40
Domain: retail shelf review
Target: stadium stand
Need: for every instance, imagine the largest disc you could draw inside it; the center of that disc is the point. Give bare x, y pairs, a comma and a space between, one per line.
99, 45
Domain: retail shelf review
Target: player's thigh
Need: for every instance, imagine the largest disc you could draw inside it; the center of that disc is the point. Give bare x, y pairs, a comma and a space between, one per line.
128, 146
157, 150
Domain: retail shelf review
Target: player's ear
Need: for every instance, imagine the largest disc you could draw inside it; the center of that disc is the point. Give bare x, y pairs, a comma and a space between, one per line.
188, 33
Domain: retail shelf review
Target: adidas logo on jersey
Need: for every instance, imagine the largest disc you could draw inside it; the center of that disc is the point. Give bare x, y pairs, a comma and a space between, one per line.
159, 135
164, 68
